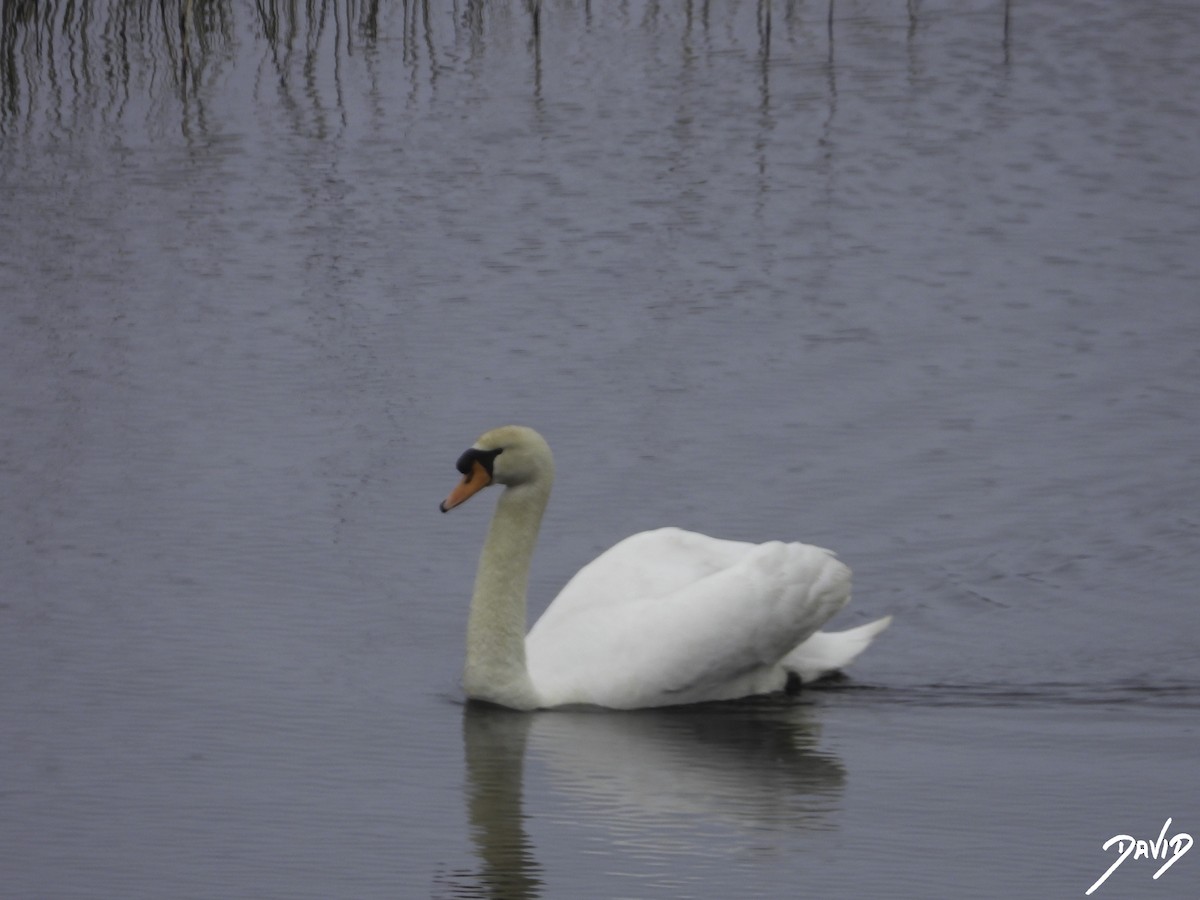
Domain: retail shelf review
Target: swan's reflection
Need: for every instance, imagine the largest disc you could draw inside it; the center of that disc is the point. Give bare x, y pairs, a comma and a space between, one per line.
494, 745
745, 766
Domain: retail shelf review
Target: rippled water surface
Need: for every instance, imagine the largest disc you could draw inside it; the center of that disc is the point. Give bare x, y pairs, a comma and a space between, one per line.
916, 281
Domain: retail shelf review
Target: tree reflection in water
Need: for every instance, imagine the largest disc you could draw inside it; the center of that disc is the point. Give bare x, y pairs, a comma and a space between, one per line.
64, 62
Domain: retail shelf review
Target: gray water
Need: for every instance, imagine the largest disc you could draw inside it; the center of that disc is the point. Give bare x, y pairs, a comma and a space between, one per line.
919, 282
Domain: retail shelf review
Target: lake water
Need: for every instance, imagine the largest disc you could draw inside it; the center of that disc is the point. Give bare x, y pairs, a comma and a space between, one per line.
916, 281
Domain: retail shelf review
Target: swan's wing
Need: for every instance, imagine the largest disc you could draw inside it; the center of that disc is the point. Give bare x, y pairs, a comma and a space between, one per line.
643, 566
643, 630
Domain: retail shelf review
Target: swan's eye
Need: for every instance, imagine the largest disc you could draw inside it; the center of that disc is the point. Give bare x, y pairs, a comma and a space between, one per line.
485, 458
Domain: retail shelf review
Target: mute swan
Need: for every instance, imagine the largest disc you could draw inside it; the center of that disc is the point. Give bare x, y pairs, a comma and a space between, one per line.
665, 617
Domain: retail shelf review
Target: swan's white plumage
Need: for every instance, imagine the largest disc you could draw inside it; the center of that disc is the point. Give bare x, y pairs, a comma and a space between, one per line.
664, 617
671, 616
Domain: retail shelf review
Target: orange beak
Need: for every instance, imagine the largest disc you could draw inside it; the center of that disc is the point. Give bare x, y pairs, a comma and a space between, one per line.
473, 482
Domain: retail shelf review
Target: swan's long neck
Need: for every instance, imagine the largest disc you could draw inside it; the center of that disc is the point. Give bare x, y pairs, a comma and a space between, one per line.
495, 668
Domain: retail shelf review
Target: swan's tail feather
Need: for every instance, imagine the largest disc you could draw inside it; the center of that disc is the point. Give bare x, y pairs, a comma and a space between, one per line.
826, 652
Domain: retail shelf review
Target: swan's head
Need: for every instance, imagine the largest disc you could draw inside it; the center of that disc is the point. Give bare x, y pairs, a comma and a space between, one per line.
511, 455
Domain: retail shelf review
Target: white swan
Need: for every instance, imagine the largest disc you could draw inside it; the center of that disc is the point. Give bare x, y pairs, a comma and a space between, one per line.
664, 617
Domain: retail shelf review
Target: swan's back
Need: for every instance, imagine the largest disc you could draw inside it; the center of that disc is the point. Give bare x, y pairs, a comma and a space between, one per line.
672, 616
646, 565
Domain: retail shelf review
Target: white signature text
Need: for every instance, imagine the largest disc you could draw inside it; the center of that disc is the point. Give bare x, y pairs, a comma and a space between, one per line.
1178, 844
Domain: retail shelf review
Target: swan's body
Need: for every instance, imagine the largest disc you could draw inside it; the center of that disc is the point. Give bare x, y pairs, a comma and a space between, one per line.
664, 617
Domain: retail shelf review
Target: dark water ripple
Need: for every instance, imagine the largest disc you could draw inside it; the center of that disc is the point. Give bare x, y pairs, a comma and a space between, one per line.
1160, 695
